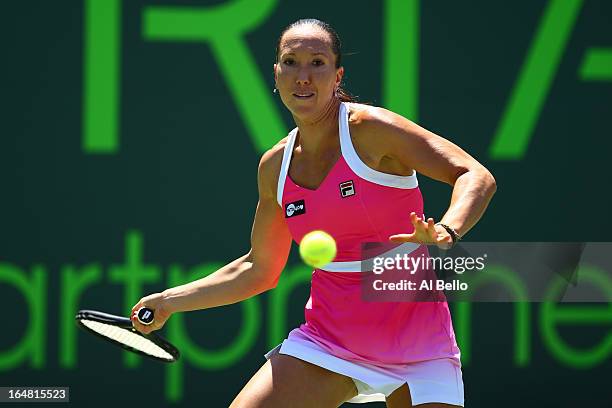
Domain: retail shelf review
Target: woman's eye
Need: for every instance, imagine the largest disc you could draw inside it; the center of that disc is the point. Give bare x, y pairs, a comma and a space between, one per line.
289, 61
317, 62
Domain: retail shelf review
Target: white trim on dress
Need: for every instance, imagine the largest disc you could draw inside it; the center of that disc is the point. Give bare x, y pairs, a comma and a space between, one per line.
436, 380
358, 266
282, 176
363, 170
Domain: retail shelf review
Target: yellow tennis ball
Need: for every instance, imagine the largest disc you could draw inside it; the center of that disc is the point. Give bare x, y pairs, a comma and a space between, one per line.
317, 248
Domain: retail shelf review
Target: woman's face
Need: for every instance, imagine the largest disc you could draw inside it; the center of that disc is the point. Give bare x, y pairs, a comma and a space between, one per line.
306, 75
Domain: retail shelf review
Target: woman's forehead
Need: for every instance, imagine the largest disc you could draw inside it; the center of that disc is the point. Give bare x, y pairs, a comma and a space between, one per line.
305, 38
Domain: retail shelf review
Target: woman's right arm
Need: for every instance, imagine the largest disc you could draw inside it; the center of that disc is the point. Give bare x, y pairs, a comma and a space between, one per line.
251, 274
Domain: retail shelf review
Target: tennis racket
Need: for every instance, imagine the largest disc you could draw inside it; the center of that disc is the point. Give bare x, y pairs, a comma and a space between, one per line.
119, 330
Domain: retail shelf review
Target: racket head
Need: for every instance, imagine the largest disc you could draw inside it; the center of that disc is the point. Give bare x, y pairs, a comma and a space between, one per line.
119, 331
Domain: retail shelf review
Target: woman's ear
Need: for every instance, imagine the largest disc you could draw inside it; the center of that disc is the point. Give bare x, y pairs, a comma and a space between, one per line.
339, 75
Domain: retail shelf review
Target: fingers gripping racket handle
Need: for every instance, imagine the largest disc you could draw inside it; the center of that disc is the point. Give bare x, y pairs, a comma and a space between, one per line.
145, 315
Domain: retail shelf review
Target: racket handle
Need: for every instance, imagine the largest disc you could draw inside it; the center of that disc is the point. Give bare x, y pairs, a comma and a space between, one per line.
145, 315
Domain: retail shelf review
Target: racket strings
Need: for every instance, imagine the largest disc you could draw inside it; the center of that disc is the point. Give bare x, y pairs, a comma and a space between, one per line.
128, 338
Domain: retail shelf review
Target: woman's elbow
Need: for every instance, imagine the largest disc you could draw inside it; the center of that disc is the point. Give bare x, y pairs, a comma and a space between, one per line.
482, 180
272, 284
265, 278
489, 182
266, 285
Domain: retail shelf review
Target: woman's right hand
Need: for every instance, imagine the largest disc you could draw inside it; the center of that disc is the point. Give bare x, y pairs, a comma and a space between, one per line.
156, 302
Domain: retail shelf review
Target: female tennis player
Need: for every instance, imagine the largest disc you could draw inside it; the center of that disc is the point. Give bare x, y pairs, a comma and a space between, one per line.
348, 169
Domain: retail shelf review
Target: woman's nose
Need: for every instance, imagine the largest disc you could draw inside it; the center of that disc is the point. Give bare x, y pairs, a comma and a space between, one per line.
303, 77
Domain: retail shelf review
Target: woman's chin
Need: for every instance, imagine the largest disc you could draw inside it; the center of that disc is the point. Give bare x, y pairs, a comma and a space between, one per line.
303, 112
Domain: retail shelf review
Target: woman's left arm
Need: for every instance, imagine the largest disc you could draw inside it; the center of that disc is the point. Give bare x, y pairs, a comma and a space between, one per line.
417, 148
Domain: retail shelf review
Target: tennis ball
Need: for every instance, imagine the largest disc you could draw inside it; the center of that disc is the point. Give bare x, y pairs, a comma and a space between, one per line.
317, 248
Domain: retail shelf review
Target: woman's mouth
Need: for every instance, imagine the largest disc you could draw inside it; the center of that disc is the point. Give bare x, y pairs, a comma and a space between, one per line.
303, 95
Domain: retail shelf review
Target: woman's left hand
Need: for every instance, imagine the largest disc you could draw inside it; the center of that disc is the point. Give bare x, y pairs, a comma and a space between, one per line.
425, 233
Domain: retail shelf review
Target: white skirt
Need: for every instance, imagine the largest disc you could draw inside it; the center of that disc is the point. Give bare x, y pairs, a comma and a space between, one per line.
436, 380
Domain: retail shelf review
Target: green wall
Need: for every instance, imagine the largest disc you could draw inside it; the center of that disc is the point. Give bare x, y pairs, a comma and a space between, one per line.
131, 133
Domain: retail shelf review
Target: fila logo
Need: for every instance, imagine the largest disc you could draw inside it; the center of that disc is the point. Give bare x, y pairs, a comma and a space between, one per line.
347, 189
295, 208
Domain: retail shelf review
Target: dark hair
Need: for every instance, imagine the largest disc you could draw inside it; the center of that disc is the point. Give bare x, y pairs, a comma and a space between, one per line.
336, 46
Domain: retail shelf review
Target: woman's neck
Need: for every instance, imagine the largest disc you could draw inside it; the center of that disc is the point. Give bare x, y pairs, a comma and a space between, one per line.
320, 134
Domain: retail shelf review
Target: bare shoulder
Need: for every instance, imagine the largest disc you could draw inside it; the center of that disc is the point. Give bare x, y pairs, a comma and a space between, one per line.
271, 160
374, 120
400, 144
269, 168
377, 133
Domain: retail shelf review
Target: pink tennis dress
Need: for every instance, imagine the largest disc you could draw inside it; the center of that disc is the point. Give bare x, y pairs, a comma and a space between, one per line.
380, 345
